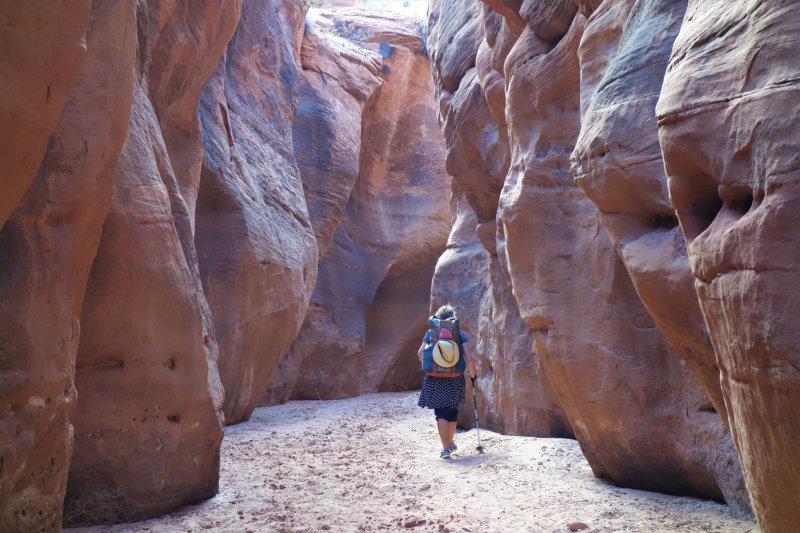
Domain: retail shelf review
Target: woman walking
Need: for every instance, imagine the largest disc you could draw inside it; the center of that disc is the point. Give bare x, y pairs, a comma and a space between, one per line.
444, 394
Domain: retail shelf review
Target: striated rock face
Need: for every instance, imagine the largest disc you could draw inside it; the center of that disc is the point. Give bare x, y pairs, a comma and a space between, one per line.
162, 260
617, 161
477, 150
370, 304
624, 390
734, 186
255, 244
49, 241
637, 409
514, 395
339, 76
149, 394
44, 46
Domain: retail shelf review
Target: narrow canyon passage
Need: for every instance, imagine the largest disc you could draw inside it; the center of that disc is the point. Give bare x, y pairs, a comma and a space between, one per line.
371, 464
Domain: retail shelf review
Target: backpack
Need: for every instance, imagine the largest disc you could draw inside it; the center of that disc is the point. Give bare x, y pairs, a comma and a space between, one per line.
445, 335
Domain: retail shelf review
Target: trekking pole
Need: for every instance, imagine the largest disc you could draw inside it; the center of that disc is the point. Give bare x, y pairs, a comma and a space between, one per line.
475, 405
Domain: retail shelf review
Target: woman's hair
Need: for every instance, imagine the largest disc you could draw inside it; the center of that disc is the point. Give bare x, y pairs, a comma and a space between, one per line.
445, 312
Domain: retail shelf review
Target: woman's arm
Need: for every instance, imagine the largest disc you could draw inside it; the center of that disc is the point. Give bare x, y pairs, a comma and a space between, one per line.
468, 359
419, 352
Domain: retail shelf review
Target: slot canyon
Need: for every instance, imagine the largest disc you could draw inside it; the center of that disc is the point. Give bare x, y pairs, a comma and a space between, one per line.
214, 212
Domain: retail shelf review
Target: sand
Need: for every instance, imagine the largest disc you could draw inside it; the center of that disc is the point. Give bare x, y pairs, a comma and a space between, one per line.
372, 464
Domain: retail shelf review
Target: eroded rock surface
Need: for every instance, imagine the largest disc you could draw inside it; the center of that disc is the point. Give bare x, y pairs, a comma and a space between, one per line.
370, 304
44, 46
256, 247
477, 150
728, 127
608, 363
617, 161
48, 243
514, 395
149, 393
339, 77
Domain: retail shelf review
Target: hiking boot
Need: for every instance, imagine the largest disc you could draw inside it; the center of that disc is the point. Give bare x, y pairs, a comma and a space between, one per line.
453, 446
445, 454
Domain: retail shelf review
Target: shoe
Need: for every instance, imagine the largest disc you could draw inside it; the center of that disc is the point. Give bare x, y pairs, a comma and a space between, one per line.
453, 446
445, 454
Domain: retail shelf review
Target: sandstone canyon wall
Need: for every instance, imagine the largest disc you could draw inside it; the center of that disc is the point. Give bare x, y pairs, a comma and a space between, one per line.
47, 246
372, 160
518, 91
160, 262
148, 390
728, 128
44, 47
514, 394
207, 205
256, 247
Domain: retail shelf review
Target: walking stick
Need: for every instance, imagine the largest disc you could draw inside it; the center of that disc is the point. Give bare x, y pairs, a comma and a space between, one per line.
475, 405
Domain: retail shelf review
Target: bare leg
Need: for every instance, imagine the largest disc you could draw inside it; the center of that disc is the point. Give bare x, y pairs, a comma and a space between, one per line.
444, 432
452, 432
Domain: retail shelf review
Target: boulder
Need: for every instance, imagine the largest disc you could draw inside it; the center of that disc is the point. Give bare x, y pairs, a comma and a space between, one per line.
728, 128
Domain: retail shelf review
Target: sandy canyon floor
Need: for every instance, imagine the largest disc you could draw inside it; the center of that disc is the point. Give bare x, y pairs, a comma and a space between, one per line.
372, 464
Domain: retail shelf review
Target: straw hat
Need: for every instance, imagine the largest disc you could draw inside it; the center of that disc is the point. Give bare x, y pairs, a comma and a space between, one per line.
445, 353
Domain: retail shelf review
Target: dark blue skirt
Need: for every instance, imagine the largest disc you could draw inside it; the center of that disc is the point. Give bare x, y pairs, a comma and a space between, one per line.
442, 392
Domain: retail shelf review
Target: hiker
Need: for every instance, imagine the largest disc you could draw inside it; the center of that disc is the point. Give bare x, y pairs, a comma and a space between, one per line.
444, 394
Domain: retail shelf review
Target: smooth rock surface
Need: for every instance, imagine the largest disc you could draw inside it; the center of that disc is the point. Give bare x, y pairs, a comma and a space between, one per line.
256, 248
735, 187
477, 150
44, 46
603, 354
617, 161
47, 246
338, 79
148, 423
368, 311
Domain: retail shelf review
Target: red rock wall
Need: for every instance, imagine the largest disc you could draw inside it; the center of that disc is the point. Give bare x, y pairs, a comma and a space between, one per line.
47, 246
728, 130
514, 394
256, 247
148, 389
624, 389
44, 47
162, 259
617, 161
389, 206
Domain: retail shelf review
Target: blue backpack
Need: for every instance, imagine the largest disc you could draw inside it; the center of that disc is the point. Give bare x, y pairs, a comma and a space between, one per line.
443, 331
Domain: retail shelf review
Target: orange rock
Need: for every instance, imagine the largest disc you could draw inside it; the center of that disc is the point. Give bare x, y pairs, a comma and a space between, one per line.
49, 241
617, 161
256, 248
602, 353
369, 308
44, 46
148, 424
728, 129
